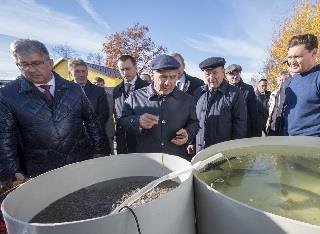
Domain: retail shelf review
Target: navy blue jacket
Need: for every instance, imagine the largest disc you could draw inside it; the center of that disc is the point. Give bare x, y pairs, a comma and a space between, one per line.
192, 84
250, 99
263, 110
175, 111
98, 98
51, 135
125, 142
225, 119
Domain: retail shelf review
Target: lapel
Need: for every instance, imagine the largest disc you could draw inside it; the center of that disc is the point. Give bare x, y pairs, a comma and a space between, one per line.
187, 83
61, 86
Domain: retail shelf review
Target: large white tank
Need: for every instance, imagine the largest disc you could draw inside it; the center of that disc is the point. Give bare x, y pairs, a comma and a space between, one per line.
171, 213
219, 214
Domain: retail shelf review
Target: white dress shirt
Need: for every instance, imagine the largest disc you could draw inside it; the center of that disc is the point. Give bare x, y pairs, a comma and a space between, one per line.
52, 84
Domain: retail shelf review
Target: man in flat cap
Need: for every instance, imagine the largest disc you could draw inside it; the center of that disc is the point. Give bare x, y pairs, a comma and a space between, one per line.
220, 107
233, 75
162, 117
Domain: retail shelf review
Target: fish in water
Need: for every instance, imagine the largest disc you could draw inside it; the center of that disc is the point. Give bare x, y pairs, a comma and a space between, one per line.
312, 200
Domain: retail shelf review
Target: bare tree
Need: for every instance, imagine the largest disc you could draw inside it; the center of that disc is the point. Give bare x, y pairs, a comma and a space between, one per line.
95, 58
64, 51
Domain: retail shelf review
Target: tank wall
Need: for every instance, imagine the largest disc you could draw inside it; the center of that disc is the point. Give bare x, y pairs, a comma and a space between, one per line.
218, 214
171, 213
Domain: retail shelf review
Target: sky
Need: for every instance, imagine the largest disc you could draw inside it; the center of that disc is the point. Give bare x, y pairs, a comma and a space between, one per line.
238, 30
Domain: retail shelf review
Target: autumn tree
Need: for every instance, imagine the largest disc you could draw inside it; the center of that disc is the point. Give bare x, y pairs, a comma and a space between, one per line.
135, 42
305, 19
64, 51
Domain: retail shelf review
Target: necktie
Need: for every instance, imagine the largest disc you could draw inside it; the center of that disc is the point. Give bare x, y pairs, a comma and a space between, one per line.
127, 89
47, 93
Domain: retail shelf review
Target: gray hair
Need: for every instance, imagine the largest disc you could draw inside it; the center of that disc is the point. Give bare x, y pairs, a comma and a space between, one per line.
28, 46
175, 54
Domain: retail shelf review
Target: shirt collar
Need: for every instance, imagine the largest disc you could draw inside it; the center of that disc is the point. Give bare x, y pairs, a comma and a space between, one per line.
132, 82
51, 82
182, 79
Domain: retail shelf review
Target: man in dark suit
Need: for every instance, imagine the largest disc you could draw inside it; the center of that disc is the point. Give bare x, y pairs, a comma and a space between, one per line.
186, 83
233, 76
79, 71
48, 116
126, 143
263, 96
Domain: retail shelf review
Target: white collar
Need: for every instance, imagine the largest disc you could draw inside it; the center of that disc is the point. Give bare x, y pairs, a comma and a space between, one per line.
51, 82
132, 82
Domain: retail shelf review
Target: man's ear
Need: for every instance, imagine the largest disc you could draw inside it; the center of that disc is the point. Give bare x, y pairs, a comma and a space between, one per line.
314, 52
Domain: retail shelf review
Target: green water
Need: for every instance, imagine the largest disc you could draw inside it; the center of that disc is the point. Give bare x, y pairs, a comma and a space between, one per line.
280, 180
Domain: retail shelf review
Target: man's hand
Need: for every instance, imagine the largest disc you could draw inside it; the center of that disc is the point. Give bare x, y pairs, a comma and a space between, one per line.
181, 137
147, 121
20, 179
191, 149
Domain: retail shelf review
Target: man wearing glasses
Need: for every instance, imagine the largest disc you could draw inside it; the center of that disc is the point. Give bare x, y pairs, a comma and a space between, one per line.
220, 108
48, 118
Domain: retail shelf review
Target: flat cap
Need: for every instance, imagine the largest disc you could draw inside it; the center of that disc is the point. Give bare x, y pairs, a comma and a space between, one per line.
212, 62
233, 68
164, 62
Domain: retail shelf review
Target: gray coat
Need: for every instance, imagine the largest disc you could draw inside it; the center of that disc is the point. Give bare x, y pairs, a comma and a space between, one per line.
225, 119
176, 111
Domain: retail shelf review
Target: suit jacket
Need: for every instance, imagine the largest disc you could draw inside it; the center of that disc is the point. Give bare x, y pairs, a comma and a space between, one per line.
98, 99
191, 84
52, 135
176, 110
126, 143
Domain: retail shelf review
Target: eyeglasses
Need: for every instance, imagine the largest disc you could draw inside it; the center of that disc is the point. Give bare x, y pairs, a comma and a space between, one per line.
35, 65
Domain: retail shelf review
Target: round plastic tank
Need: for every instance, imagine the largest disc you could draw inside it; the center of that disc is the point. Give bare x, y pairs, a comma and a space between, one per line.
217, 213
172, 212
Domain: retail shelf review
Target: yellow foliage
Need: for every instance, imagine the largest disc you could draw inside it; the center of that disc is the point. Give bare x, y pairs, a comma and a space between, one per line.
305, 19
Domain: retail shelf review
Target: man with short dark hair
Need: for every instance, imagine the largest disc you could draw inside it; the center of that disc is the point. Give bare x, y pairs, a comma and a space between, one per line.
127, 66
186, 83
48, 116
302, 91
221, 108
233, 76
78, 70
162, 117
263, 96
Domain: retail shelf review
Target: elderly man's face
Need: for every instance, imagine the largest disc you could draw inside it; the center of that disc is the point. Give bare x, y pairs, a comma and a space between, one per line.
233, 77
80, 73
300, 59
165, 81
214, 77
127, 69
35, 68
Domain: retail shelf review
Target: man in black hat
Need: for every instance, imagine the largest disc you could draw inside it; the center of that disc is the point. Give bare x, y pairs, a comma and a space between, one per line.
220, 107
233, 75
162, 117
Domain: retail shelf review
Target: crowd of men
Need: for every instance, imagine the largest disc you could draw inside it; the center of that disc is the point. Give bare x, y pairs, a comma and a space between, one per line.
47, 122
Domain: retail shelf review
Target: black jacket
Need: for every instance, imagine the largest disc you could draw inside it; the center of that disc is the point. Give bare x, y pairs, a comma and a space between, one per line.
263, 110
125, 142
225, 119
253, 129
176, 111
191, 84
51, 135
98, 99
